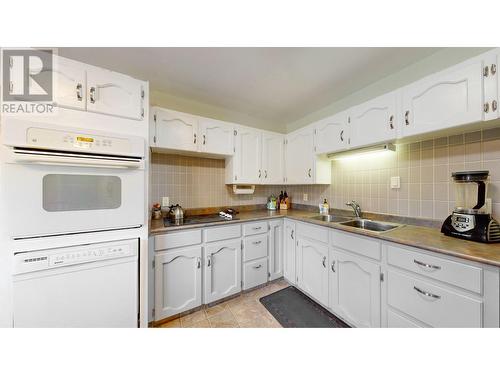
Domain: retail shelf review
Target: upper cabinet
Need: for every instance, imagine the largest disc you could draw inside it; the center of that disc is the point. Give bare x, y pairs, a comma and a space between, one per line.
175, 130
71, 84
247, 158
443, 100
273, 158
374, 121
114, 94
302, 165
216, 137
490, 85
331, 134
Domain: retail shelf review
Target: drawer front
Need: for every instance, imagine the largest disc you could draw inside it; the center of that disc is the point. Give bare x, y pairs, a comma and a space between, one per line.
255, 227
462, 275
255, 247
361, 245
394, 320
177, 239
439, 308
224, 232
314, 232
254, 273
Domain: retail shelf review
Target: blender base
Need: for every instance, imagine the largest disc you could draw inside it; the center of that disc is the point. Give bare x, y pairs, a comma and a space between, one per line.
484, 229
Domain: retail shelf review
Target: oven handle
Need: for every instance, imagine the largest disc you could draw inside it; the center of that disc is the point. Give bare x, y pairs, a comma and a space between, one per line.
76, 161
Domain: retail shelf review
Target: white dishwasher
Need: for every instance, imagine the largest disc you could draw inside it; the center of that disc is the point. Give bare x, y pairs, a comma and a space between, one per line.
93, 285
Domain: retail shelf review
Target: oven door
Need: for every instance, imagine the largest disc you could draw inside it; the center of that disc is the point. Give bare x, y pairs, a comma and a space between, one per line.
53, 193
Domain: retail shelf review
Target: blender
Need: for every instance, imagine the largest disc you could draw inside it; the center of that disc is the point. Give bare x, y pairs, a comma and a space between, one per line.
471, 218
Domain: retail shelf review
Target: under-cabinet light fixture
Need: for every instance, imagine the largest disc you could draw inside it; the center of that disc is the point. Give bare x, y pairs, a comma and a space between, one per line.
382, 148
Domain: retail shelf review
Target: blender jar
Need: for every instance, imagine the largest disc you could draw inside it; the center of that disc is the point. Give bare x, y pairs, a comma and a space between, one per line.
471, 191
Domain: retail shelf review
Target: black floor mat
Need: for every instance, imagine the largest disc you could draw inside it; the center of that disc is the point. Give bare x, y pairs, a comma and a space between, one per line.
293, 309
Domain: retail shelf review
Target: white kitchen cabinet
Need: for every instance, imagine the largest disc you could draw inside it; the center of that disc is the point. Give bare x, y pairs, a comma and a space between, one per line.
331, 134
70, 83
216, 137
175, 130
354, 289
374, 121
275, 249
114, 94
443, 100
245, 166
177, 281
289, 252
490, 84
312, 271
273, 158
302, 165
222, 275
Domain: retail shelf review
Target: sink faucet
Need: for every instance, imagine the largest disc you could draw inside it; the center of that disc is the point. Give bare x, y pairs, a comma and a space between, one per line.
355, 206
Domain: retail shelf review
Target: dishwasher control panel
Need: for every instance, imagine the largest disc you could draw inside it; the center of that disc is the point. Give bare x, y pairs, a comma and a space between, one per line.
45, 259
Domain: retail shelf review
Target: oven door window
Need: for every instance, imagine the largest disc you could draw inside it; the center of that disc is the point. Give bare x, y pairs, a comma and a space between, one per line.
70, 192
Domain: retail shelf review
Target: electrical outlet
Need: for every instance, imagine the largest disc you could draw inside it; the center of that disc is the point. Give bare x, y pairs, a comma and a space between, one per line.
165, 201
305, 197
395, 182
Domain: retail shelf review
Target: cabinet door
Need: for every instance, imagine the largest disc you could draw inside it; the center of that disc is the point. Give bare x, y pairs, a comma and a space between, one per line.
355, 289
299, 156
312, 269
273, 158
275, 249
176, 130
222, 270
248, 156
289, 256
217, 137
331, 134
70, 90
443, 100
177, 281
374, 121
114, 94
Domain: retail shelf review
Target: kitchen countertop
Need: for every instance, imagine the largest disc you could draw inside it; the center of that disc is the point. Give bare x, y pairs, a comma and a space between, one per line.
411, 235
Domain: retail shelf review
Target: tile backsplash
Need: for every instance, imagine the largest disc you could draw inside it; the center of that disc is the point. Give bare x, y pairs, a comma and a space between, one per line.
424, 169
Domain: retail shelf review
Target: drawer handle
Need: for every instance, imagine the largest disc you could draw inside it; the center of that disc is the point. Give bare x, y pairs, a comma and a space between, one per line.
257, 267
426, 265
256, 228
435, 296
333, 266
324, 262
256, 242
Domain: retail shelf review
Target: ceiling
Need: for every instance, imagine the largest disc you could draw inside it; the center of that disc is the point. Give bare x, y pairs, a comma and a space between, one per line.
276, 85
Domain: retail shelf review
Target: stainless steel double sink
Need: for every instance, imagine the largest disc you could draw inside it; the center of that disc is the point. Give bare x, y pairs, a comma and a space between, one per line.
372, 225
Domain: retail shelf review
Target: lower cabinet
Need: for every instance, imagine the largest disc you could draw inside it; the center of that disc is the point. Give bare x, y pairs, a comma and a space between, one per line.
275, 249
289, 252
177, 281
355, 289
222, 270
312, 271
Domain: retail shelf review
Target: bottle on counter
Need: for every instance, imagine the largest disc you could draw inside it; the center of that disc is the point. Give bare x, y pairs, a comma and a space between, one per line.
324, 208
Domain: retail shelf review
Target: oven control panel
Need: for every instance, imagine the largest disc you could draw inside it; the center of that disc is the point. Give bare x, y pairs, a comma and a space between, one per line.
46, 259
76, 142
462, 222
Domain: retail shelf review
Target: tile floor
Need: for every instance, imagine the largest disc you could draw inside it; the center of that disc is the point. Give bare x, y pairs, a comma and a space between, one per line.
244, 311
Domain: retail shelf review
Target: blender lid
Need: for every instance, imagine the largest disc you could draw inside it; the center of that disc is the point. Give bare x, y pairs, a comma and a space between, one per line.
470, 175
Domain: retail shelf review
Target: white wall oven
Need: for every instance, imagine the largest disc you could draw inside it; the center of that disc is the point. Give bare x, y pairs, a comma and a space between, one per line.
64, 180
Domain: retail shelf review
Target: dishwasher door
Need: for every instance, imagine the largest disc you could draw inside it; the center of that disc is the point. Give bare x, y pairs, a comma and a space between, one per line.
83, 286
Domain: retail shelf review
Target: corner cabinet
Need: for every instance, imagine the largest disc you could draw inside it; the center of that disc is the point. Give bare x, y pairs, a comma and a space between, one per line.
172, 270
302, 164
374, 121
443, 100
273, 158
331, 134
222, 270
312, 271
355, 289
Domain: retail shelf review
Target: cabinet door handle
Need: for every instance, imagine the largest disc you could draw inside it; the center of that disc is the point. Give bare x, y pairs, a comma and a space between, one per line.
257, 242
493, 69
194, 138
391, 122
494, 105
79, 93
265, 174
291, 235
324, 262
407, 118
309, 172
260, 173
427, 294
209, 261
486, 107
342, 136
92, 95
426, 265
198, 262
204, 139
257, 267
333, 266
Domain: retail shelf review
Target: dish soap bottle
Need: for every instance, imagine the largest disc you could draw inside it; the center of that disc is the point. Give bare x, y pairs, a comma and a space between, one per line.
324, 208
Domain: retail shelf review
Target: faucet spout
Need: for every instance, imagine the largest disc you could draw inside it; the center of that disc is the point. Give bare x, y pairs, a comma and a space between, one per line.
356, 208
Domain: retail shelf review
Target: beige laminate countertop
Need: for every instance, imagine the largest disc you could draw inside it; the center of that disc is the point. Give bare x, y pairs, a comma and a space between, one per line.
417, 236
